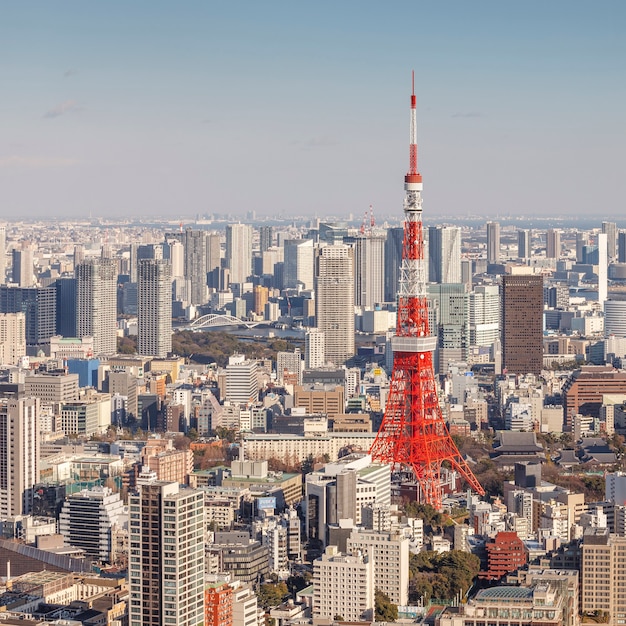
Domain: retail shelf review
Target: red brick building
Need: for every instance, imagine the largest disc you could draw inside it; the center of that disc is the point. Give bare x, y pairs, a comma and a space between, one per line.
218, 605
506, 553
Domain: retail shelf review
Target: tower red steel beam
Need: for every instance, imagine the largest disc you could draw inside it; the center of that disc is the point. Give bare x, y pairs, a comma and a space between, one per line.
413, 433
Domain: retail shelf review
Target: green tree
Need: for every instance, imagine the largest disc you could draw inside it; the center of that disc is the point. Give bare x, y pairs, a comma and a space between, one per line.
272, 594
385, 610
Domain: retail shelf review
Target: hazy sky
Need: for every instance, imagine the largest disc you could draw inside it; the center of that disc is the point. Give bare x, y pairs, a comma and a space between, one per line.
301, 108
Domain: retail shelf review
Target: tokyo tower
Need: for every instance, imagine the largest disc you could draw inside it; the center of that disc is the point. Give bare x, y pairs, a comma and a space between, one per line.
413, 433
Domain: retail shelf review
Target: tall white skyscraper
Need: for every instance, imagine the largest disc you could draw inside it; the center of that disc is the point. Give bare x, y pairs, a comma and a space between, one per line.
239, 252
154, 307
493, 242
610, 230
96, 303
195, 242
334, 301
444, 254
23, 271
19, 454
553, 244
484, 315
603, 269
299, 261
314, 349
369, 270
12, 337
166, 555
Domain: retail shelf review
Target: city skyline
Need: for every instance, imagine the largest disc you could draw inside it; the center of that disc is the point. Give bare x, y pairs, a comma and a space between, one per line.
158, 111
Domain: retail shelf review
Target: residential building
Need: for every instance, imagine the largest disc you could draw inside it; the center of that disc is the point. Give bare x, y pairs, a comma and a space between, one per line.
239, 252
506, 553
154, 308
12, 337
369, 269
493, 242
166, 558
553, 244
523, 244
314, 349
218, 604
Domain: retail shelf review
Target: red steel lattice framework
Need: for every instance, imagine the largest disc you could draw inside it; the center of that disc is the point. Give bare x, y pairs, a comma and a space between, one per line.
413, 433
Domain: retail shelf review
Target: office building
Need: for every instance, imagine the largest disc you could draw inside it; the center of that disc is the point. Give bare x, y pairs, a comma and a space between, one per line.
166, 557
602, 574
266, 238
154, 308
58, 387
334, 301
65, 306
19, 454
393, 260
23, 271
87, 521
444, 254
521, 307
39, 307
242, 380
484, 315
299, 258
3, 254
289, 367
343, 587
603, 269
493, 242
96, 303
553, 244
239, 252
610, 230
615, 318
621, 246
523, 244
369, 269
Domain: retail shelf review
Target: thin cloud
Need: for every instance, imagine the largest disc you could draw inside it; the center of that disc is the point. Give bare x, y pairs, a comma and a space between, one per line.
35, 163
61, 109
69, 73
468, 114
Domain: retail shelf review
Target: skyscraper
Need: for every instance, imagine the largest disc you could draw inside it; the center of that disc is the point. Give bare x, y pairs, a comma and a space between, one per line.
521, 307
523, 243
299, 260
19, 454
493, 242
334, 301
553, 244
154, 308
369, 270
314, 349
444, 254
603, 268
3, 254
393, 260
610, 230
23, 273
196, 266
266, 237
166, 557
239, 252
96, 303
484, 315
621, 238
66, 306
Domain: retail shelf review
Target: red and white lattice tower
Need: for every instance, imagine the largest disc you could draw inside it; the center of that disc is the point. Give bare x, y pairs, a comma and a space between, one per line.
413, 433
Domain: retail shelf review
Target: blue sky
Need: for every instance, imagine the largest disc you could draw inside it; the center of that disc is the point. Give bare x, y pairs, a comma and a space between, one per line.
292, 108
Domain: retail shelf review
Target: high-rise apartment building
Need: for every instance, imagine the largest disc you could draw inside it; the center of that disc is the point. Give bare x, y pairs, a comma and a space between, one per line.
521, 309
12, 337
299, 256
369, 270
96, 303
484, 315
493, 242
195, 242
3, 254
610, 230
314, 349
239, 252
444, 254
603, 268
19, 454
553, 244
334, 301
523, 244
266, 238
166, 556
154, 308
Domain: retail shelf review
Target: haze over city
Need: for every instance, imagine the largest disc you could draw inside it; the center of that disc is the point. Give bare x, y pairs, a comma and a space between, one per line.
286, 109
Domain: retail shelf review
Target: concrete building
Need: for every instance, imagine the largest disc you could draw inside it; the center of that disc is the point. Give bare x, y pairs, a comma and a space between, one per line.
314, 349
169, 464
369, 269
166, 558
615, 318
493, 242
19, 454
23, 271
390, 553
343, 587
610, 230
334, 301
299, 257
521, 307
154, 308
239, 252
12, 337
96, 303
195, 270
218, 604
88, 518
393, 260
52, 387
484, 315
242, 382
523, 244
553, 244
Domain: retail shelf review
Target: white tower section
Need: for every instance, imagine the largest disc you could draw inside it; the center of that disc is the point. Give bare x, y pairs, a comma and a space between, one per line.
603, 267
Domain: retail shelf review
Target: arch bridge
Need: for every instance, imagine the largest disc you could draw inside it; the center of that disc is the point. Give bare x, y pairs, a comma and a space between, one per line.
213, 320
